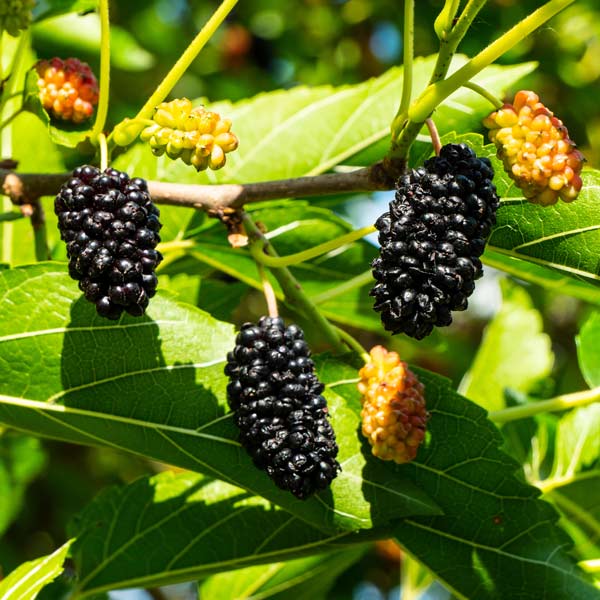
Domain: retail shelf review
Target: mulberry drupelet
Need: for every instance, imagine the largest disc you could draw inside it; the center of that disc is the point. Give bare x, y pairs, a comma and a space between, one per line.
111, 229
431, 238
278, 407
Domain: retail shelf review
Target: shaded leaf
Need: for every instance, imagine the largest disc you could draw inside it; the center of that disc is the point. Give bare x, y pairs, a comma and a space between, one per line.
179, 524
514, 352
588, 350
155, 386
496, 539
294, 226
26, 581
21, 460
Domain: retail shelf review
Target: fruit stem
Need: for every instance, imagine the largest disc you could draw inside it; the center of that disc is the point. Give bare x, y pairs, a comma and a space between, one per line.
300, 257
405, 133
292, 289
103, 152
496, 102
186, 59
347, 286
408, 56
435, 136
563, 402
102, 111
353, 343
268, 291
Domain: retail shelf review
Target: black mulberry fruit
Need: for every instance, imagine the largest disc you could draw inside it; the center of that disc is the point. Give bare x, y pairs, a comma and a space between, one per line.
111, 229
278, 407
431, 238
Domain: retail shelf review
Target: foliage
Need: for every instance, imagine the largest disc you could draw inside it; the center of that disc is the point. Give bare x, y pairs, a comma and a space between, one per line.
502, 499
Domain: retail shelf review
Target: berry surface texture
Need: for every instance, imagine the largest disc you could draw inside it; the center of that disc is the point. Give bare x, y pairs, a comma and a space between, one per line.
280, 412
111, 229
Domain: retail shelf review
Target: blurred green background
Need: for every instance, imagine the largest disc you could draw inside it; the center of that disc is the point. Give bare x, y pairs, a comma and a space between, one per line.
271, 44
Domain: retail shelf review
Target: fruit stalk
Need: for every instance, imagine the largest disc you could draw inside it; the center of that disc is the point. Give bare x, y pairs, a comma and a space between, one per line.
300, 257
102, 111
404, 134
186, 59
293, 290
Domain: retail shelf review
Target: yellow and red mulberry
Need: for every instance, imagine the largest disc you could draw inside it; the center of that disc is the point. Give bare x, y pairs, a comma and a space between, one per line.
68, 89
197, 136
535, 148
394, 415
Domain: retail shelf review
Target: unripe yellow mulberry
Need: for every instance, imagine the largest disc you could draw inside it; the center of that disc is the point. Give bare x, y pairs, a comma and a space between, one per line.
535, 148
68, 89
394, 416
195, 135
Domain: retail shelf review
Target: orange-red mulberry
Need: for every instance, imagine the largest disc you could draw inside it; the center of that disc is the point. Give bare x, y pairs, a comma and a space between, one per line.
68, 89
394, 415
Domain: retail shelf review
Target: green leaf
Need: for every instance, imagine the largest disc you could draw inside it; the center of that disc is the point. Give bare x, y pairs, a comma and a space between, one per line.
311, 577
44, 9
577, 446
563, 238
514, 352
26, 581
496, 539
588, 350
21, 460
155, 386
288, 133
543, 276
188, 521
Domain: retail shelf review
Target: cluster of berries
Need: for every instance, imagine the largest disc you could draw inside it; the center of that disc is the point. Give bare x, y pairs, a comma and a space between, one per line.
68, 89
431, 238
535, 148
197, 136
15, 15
393, 413
111, 229
277, 403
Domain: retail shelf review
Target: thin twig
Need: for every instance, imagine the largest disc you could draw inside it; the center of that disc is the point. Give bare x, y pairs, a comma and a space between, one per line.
434, 135
207, 197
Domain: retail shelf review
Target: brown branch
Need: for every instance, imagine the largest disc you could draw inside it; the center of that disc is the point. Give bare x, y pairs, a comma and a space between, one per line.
21, 187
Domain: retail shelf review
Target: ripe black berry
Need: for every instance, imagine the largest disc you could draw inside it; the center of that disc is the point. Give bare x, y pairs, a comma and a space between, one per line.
431, 238
111, 229
276, 398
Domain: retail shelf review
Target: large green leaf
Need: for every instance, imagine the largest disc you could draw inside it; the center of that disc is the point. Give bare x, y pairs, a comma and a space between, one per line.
155, 386
496, 539
184, 526
563, 240
514, 352
21, 460
310, 577
588, 350
310, 130
27, 580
